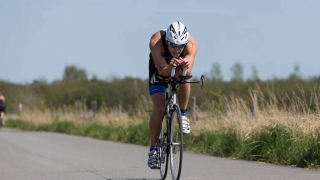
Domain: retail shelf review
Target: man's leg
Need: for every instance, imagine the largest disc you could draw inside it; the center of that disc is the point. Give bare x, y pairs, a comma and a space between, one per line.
183, 98
155, 125
155, 122
183, 95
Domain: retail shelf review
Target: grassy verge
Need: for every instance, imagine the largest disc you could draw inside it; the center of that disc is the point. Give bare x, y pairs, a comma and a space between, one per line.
275, 144
129, 134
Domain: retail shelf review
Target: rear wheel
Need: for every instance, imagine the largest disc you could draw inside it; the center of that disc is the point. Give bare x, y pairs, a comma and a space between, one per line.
176, 143
163, 149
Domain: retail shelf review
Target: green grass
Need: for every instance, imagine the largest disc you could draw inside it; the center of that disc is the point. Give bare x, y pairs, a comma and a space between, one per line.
274, 144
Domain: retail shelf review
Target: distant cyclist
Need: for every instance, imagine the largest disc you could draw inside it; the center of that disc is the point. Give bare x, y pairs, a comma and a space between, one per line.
171, 47
2, 108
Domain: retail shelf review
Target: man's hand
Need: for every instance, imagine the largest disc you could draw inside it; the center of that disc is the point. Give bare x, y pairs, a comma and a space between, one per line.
174, 62
182, 62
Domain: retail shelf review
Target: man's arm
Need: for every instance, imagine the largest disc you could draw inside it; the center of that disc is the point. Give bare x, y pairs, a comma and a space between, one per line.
156, 48
190, 54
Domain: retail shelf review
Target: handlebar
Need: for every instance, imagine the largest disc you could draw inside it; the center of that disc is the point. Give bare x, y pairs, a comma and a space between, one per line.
185, 70
173, 71
172, 80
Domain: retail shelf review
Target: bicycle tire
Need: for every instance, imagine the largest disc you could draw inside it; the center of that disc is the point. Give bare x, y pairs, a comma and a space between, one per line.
163, 149
176, 142
0, 121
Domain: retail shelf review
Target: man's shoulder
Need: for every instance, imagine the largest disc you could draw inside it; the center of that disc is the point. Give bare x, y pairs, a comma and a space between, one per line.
157, 35
155, 41
192, 41
192, 46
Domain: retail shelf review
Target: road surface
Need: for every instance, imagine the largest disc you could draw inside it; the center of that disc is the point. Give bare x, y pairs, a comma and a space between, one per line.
54, 156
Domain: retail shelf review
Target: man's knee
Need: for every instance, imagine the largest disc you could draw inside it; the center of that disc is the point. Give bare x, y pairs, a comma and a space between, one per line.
159, 101
159, 108
184, 87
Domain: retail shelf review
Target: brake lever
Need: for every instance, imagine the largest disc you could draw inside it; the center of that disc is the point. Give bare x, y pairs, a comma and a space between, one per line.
202, 80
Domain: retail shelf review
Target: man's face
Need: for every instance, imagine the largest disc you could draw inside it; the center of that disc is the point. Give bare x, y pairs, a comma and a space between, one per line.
175, 50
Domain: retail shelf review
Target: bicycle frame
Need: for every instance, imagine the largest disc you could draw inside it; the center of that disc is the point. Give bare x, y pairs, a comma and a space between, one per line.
171, 98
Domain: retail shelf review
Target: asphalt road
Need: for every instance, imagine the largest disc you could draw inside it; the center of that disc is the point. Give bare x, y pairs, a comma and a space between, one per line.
54, 156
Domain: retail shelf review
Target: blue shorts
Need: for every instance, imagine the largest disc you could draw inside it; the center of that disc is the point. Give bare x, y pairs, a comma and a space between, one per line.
153, 89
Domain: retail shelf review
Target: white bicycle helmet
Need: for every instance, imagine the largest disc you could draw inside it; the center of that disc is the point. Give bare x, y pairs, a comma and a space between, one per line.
177, 33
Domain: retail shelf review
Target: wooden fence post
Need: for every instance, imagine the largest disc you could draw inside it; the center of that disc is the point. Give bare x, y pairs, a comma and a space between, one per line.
54, 114
20, 108
194, 108
94, 109
80, 108
64, 109
254, 103
120, 108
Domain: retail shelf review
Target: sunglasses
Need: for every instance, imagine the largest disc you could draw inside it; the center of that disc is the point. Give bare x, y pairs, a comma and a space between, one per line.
176, 46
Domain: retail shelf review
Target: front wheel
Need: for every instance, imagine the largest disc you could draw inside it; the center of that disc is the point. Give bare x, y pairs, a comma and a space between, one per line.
176, 142
163, 149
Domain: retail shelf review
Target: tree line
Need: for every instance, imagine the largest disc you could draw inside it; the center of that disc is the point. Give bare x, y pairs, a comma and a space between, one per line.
76, 86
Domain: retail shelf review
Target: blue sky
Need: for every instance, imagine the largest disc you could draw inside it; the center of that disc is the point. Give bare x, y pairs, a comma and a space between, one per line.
109, 38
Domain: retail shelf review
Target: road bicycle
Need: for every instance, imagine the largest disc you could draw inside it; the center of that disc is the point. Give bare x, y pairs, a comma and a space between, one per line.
170, 143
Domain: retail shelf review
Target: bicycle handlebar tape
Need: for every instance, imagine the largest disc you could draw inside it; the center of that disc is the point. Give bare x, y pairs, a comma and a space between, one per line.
185, 71
173, 72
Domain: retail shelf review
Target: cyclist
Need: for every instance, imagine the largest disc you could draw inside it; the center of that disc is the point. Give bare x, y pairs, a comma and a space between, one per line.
171, 47
2, 107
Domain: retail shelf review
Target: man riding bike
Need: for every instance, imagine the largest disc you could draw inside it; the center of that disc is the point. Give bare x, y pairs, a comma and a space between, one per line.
2, 108
172, 47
